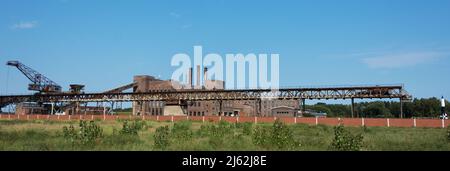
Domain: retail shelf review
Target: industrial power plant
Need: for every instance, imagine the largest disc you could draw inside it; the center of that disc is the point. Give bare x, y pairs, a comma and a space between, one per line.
156, 97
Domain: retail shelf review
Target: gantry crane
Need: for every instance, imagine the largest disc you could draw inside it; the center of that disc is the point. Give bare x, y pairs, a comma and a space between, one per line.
39, 83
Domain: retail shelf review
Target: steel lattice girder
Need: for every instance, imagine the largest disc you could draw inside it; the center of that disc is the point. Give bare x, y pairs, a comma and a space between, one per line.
201, 95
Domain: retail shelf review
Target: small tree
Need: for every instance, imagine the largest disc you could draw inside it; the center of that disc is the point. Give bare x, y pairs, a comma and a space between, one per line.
133, 128
279, 137
181, 131
162, 137
282, 136
345, 141
87, 134
260, 136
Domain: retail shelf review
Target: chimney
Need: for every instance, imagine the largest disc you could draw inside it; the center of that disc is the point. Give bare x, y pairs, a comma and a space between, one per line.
198, 75
205, 75
189, 77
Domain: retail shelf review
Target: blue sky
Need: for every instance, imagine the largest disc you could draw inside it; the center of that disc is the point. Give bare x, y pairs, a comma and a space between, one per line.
104, 43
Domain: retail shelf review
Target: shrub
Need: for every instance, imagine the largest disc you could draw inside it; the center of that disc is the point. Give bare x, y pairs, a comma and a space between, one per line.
279, 136
217, 132
448, 133
260, 136
70, 134
133, 128
88, 133
246, 127
223, 128
282, 136
345, 141
181, 131
162, 137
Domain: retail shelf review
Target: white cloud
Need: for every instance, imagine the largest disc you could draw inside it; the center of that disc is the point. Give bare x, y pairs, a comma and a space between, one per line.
400, 60
25, 25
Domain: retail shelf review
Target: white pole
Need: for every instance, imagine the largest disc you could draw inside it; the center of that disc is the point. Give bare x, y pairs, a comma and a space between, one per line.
415, 123
388, 123
53, 108
104, 108
317, 120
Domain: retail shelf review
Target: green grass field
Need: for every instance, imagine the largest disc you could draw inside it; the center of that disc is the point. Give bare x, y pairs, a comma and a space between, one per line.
197, 136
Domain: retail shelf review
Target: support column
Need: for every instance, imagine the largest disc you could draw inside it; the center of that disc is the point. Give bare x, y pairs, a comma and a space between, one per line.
259, 107
112, 108
303, 105
104, 108
85, 108
353, 107
401, 108
220, 107
53, 108
77, 104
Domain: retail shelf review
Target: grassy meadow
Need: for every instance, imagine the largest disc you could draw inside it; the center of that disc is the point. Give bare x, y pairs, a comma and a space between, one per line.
41, 135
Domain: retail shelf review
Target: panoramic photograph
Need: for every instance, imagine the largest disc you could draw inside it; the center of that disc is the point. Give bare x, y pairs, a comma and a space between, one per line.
224, 75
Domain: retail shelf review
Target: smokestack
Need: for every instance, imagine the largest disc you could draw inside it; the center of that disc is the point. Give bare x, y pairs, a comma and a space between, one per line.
198, 75
205, 75
190, 77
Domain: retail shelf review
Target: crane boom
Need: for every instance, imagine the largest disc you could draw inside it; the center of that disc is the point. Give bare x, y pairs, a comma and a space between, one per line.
39, 82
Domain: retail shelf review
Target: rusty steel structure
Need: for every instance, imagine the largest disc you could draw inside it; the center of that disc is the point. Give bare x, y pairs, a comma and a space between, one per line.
362, 92
40, 82
181, 96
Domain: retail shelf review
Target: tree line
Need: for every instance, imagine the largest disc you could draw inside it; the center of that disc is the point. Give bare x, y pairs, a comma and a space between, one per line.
419, 108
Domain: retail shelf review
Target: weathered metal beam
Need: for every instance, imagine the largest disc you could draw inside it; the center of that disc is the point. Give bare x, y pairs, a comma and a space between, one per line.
206, 95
